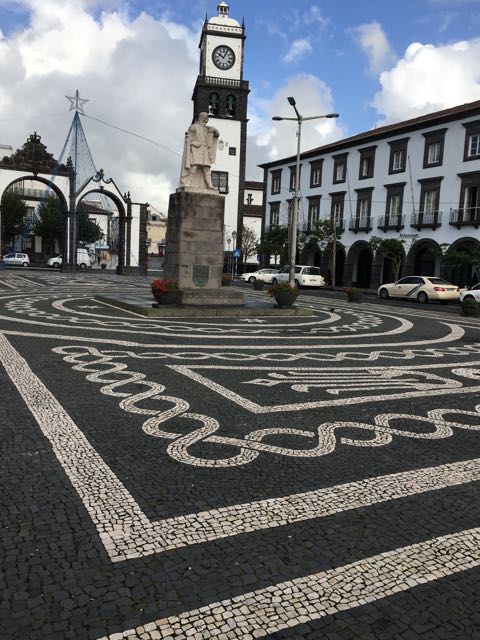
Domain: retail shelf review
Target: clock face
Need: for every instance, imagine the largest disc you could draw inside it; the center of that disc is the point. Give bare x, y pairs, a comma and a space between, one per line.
223, 57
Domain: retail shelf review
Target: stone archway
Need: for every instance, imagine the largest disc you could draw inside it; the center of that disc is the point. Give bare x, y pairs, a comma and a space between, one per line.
462, 275
35, 246
358, 266
124, 224
423, 258
327, 264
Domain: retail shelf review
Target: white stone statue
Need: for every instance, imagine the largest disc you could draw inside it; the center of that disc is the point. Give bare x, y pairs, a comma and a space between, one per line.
199, 152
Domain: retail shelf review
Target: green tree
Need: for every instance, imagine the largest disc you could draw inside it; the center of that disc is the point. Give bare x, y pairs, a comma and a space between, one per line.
50, 224
274, 242
249, 243
13, 213
88, 230
390, 248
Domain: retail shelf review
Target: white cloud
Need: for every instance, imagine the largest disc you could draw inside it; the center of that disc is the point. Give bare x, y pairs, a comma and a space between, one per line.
429, 78
375, 45
298, 49
137, 73
270, 140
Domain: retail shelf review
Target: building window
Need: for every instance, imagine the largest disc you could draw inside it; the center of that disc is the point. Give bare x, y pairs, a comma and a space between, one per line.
293, 170
398, 155
367, 163
340, 168
433, 153
313, 212
470, 196
220, 181
316, 173
474, 145
394, 204
364, 203
274, 214
249, 199
276, 181
472, 141
232, 151
338, 203
430, 195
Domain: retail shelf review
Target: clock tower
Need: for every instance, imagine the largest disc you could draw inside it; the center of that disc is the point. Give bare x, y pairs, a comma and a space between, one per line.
221, 91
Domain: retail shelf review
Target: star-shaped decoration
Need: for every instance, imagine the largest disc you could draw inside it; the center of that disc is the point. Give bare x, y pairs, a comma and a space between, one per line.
76, 103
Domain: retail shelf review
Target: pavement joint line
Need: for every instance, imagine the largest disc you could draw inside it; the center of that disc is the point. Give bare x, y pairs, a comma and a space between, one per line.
128, 533
286, 604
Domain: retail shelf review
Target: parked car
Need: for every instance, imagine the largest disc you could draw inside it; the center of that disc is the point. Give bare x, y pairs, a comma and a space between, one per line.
420, 288
83, 260
16, 259
263, 274
471, 294
305, 276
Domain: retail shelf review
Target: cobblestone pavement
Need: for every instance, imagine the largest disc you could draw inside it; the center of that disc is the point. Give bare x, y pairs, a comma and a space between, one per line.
313, 478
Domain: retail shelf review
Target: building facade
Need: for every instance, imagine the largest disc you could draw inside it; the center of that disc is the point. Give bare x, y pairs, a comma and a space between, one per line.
417, 181
221, 91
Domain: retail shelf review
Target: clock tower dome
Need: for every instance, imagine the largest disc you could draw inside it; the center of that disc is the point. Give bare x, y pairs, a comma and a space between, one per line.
221, 91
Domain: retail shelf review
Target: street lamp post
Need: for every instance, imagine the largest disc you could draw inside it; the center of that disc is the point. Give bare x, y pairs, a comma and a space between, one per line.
294, 221
234, 246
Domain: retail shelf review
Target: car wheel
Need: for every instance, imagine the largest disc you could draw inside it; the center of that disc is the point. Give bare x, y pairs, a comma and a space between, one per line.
24, 264
422, 297
469, 298
383, 294
82, 265
251, 279
297, 284
57, 265
274, 281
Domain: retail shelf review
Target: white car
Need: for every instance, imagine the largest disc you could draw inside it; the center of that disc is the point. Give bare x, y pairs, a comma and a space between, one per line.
16, 259
305, 276
471, 294
263, 274
420, 288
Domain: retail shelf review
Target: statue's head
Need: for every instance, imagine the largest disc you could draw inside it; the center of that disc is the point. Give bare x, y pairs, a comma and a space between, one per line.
203, 117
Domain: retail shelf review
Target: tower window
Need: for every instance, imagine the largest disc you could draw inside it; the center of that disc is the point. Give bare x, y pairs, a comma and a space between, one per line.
232, 151
230, 104
213, 104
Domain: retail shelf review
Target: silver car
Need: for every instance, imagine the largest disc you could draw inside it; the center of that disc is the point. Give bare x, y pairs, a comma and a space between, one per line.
16, 259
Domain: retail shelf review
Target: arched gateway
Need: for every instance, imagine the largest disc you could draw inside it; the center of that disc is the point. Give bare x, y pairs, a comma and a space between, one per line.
34, 174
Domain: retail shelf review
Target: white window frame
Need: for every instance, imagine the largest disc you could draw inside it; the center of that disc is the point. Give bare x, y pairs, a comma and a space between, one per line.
434, 152
474, 145
398, 160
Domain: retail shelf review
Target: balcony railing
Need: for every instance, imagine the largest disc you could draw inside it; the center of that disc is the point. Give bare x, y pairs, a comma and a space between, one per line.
360, 224
223, 82
426, 219
396, 222
467, 216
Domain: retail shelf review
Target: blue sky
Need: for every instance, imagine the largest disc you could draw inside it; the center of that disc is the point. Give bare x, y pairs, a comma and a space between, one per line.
136, 62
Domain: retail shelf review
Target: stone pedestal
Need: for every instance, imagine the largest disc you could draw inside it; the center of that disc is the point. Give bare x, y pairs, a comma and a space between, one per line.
194, 249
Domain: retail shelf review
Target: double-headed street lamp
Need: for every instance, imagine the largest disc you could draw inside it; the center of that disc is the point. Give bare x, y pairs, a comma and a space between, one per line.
294, 220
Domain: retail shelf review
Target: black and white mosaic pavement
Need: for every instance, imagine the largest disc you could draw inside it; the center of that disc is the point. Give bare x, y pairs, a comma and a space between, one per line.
312, 477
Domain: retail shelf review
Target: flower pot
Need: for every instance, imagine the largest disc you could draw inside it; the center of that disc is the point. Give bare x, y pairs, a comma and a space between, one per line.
167, 298
258, 285
285, 298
